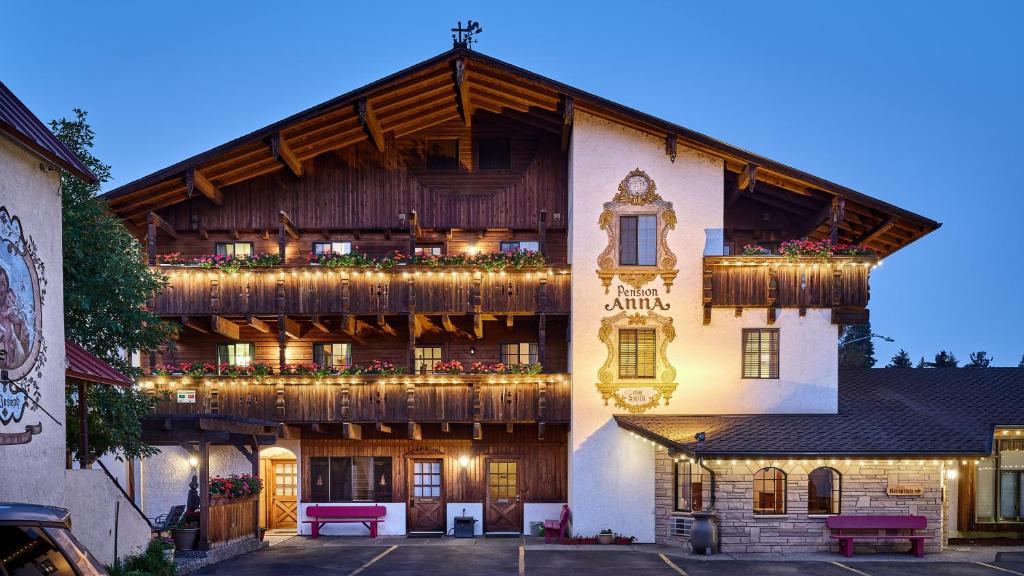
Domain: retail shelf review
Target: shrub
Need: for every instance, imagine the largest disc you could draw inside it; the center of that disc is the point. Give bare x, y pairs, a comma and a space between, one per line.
151, 562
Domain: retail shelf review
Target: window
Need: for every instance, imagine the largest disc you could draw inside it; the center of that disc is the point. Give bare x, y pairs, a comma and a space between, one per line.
688, 487
520, 353
769, 491
637, 240
237, 354
285, 479
520, 245
350, 479
494, 154
332, 247
443, 154
824, 491
426, 358
430, 250
760, 352
636, 353
233, 248
337, 355
999, 484
426, 479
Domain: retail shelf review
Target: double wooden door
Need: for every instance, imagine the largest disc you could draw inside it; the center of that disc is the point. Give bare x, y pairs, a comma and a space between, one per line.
426, 495
283, 502
503, 510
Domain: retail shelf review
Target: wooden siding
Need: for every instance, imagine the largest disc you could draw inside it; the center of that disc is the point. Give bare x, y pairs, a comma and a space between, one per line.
312, 290
232, 520
544, 462
367, 399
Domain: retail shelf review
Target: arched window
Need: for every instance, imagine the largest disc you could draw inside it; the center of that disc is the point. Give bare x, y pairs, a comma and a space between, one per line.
824, 489
769, 491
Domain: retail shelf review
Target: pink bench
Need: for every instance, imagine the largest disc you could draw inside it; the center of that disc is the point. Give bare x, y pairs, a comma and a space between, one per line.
848, 529
556, 529
368, 516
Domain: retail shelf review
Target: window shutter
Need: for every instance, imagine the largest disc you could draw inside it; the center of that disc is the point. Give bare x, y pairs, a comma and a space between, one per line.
222, 354
645, 354
627, 241
773, 353
320, 480
341, 479
647, 245
318, 354
627, 353
382, 480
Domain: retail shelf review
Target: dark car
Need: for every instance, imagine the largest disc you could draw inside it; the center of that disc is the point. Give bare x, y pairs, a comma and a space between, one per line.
37, 541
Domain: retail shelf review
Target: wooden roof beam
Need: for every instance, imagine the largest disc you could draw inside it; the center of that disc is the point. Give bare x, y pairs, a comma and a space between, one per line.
289, 228
257, 324
744, 183
568, 115
195, 324
368, 120
873, 234
819, 218
462, 91
283, 154
224, 327
161, 224
194, 180
291, 328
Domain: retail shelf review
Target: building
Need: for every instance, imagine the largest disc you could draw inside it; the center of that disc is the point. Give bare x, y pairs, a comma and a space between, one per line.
650, 316
34, 360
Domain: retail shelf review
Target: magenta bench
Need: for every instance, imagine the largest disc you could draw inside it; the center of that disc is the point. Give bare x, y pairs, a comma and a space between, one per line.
368, 516
849, 529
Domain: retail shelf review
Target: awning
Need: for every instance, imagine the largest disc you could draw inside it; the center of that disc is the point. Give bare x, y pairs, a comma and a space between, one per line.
83, 365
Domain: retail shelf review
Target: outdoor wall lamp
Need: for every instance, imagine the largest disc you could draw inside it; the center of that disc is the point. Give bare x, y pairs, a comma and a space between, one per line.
193, 462
463, 461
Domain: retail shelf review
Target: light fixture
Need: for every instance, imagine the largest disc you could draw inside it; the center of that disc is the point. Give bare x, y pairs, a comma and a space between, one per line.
472, 250
463, 461
472, 350
193, 461
952, 473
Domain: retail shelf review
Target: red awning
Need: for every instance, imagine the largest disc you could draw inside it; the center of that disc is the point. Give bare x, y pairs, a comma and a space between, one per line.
83, 365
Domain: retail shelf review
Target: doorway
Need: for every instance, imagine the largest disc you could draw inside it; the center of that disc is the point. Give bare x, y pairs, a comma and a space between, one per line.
503, 510
284, 484
426, 496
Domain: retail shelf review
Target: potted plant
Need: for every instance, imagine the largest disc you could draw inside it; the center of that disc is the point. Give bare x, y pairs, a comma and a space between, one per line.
606, 536
186, 532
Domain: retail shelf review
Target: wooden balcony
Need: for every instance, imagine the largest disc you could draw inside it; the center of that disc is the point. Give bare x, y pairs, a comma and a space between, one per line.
311, 290
381, 401
773, 282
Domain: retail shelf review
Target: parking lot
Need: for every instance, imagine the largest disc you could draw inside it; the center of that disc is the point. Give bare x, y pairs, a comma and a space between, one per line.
479, 557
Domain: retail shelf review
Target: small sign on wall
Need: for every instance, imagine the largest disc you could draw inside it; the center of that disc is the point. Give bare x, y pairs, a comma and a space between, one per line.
186, 396
904, 490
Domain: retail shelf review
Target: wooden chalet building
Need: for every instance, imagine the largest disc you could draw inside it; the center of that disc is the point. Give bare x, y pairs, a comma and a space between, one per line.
467, 289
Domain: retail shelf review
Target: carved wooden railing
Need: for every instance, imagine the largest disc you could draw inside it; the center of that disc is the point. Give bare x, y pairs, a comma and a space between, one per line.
423, 398
773, 282
310, 290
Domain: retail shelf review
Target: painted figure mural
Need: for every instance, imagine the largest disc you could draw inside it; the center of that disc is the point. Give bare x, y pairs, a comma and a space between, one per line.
19, 300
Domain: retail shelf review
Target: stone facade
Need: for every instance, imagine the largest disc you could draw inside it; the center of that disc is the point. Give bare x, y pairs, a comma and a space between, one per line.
864, 484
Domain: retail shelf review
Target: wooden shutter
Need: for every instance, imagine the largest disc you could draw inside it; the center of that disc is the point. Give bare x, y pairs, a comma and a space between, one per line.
382, 480
760, 353
627, 353
772, 338
341, 479
627, 241
320, 480
646, 351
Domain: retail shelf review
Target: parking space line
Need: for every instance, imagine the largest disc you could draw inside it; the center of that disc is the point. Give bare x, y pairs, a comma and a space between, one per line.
374, 559
522, 561
854, 570
1002, 569
673, 566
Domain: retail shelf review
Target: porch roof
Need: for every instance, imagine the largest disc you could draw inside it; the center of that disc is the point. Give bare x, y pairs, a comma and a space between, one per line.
882, 412
173, 430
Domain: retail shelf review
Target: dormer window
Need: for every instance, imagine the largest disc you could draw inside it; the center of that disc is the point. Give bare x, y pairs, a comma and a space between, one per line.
443, 154
494, 154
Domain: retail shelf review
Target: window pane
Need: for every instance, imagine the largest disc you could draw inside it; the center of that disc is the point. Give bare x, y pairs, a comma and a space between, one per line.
332, 247
238, 354
769, 491
628, 241
823, 495
494, 154
683, 485
426, 358
647, 246
341, 479
984, 490
428, 250
362, 478
443, 154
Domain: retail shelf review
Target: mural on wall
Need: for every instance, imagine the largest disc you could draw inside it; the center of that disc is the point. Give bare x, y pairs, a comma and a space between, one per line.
638, 202
637, 374
22, 349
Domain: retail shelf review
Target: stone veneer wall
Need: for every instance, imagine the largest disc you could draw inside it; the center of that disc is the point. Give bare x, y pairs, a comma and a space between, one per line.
863, 493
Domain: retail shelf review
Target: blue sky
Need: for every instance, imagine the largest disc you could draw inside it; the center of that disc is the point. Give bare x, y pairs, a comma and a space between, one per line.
916, 103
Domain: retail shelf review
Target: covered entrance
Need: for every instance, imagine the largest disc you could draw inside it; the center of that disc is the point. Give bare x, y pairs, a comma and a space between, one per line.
503, 510
279, 502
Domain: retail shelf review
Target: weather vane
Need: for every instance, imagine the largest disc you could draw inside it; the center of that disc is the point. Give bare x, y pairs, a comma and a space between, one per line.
463, 37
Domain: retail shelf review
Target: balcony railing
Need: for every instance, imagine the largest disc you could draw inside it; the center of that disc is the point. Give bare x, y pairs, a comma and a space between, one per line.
422, 398
773, 282
311, 290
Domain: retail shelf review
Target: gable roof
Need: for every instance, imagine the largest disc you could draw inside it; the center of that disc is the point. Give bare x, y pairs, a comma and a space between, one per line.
83, 365
21, 125
439, 89
882, 412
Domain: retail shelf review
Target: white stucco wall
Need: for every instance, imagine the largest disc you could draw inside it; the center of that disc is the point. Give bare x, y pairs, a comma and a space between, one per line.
539, 512
611, 475
393, 524
98, 508
31, 194
474, 509
165, 476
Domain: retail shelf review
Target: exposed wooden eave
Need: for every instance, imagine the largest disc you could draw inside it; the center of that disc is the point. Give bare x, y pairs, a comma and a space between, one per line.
283, 153
368, 120
194, 180
162, 225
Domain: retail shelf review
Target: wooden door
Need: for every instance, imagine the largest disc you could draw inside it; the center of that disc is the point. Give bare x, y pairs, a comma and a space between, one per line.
503, 511
426, 496
283, 494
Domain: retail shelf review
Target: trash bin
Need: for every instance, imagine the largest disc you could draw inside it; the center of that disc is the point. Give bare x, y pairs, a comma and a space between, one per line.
536, 528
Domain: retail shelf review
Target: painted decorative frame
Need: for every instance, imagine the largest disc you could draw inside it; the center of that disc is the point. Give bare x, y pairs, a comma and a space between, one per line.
637, 195
637, 395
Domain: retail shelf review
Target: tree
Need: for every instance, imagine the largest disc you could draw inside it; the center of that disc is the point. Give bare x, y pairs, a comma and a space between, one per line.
856, 350
901, 360
943, 360
106, 285
922, 364
1021, 363
979, 359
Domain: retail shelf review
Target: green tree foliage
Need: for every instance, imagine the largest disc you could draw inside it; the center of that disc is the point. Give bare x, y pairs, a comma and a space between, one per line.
106, 285
1021, 363
856, 350
942, 360
922, 364
979, 359
901, 360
